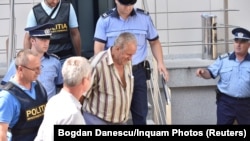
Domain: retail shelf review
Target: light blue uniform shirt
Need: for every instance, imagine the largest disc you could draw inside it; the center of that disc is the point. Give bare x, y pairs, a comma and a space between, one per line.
10, 106
31, 20
110, 25
234, 75
50, 75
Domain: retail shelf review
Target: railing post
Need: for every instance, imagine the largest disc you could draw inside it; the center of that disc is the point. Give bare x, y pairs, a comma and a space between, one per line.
209, 36
11, 45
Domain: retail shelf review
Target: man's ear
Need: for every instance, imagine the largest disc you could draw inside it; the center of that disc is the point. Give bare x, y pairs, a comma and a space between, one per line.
84, 83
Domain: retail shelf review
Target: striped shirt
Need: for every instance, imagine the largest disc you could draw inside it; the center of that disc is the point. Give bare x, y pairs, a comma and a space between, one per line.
107, 98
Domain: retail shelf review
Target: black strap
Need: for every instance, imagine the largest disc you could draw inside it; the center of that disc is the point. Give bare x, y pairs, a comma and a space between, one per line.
24, 131
52, 13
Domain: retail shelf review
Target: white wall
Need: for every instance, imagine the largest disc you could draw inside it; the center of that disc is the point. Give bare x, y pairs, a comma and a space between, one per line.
21, 10
181, 20
174, 21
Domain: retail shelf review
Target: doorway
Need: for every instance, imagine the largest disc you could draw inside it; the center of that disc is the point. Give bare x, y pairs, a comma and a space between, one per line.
88, 12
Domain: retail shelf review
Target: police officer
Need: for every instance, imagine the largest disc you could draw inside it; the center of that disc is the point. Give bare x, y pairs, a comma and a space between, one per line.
126, 18
51, 76
23, 99
233, 89
66, 40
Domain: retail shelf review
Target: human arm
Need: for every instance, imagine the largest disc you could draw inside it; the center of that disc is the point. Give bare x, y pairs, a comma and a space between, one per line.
74, 31
158, 55
9, 114
26, 42
76, 40
3, 131
31, 21
98, 47
212, 71
100, 36
204, 73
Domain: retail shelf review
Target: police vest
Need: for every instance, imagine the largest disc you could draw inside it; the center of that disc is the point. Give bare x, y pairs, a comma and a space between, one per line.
31, 114
60, 42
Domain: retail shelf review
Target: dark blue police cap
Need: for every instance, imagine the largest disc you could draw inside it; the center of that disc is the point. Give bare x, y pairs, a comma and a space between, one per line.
40, 30
127, 2
241, 33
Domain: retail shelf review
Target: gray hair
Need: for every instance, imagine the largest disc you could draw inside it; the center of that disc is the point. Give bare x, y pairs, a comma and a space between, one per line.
22, 57
75, 69
124, 38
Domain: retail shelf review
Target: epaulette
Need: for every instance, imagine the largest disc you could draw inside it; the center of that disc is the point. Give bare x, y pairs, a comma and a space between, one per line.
54, 55
7, 86
142, 11
108, 13
224, 55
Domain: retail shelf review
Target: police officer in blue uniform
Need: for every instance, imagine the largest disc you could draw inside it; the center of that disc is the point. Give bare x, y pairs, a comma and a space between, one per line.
65, 40
233, 87
22, 99
125, 18
51, 76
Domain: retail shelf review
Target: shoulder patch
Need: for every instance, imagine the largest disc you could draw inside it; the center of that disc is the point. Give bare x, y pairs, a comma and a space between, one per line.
224, 55
108, 13
54, 55
142, 11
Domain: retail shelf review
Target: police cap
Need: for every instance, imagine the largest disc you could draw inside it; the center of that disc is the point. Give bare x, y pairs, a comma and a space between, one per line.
241, 33
40, 31
127, 2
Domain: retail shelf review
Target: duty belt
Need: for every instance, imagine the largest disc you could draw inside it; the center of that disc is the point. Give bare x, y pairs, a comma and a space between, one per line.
138, 66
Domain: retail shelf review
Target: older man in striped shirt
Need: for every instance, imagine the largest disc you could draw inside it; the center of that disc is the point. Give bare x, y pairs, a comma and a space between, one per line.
109, 99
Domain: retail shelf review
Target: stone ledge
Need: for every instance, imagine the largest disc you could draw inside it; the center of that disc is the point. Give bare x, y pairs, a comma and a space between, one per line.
182, 73
187, 63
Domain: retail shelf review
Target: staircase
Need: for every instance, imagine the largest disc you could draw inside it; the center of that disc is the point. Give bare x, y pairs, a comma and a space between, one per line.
156, 113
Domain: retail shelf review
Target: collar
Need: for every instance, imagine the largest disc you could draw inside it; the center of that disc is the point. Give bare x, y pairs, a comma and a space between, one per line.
72, 98
116, 14
110, 59
33, 84
46, 7
233, 56
46, 55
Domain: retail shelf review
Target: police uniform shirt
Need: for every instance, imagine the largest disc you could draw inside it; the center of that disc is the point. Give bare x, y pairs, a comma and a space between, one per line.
110, 25
10, 110
31, 20
234, 75
50, 75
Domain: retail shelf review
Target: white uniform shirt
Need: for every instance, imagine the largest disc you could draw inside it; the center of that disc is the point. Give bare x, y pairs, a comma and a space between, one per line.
61, 109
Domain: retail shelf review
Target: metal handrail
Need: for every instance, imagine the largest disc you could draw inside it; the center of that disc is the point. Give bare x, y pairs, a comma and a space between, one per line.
17, 3
197, 44
184, 12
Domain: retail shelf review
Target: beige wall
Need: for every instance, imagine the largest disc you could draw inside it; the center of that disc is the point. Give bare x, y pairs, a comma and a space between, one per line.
178, 23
